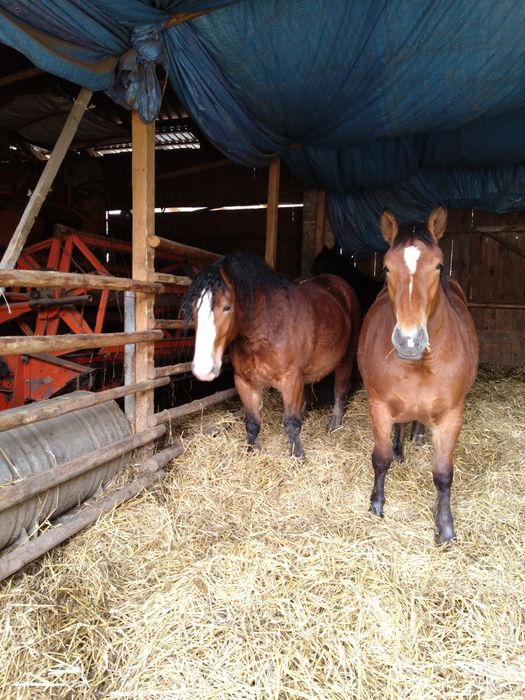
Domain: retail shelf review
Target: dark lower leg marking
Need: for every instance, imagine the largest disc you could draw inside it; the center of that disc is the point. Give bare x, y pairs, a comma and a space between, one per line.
337, 414
292, 426
444, 523
397, 442
253, 428
377, 500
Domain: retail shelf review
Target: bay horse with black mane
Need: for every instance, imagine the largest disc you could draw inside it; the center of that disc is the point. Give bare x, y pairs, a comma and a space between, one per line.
418, 355
281, 333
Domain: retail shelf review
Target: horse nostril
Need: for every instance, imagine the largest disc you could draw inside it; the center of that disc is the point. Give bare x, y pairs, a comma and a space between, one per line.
410, 346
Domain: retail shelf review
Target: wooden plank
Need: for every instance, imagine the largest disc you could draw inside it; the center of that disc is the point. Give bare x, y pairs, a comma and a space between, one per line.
17, 492
177, 324
166, 278
49, 408
20, 75
70, 524
45, 181
74, 280
181, 368
160, 460
187, 252
480, 305
169, 370
272, 213
143, 189
320, 222
182, 172
170, 414
24, 345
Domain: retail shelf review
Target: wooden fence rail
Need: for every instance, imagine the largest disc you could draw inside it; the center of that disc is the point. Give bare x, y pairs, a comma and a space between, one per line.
23, 345
49, 408
72, 280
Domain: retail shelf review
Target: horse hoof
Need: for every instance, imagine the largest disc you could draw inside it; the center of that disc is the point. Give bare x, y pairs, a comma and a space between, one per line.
333, 425
447, 535
297, 454
376, 509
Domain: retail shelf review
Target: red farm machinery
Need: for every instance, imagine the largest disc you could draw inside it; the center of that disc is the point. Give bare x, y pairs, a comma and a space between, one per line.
47, 312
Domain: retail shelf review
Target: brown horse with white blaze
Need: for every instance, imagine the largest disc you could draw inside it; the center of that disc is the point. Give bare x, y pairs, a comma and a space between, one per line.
281, 333
418, 355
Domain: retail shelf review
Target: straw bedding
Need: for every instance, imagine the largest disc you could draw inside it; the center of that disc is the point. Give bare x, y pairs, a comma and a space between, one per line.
259, 576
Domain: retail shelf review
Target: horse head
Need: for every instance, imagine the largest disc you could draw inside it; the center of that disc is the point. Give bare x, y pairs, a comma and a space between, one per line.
413, 266
211, 298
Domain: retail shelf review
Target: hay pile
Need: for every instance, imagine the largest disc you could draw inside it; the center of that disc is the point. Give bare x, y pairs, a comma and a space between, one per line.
257, 576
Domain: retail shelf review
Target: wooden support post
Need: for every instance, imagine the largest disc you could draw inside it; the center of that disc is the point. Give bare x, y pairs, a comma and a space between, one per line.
272, 213
36, 200
129, 355
319, 222
143, 186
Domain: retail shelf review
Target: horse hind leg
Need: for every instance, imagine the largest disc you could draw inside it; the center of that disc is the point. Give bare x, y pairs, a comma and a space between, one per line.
417, 433
397, 442
342, 376
293, 391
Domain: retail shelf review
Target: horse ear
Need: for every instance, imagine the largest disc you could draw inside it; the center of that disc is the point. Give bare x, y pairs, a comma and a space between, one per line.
437, 222
389, 226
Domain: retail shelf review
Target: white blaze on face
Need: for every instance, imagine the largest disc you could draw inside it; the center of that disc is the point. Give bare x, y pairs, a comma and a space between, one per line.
411, 255
203, 364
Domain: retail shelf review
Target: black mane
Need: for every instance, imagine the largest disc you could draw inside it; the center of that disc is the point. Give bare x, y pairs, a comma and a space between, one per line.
413, 231
248, 274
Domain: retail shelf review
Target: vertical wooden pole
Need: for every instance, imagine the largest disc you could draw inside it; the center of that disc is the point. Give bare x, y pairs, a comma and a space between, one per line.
129, 355
319, 222
45, 181
143, 185
272, 213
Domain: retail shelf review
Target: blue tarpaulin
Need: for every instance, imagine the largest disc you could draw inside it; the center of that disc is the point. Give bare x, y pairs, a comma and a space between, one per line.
401, 103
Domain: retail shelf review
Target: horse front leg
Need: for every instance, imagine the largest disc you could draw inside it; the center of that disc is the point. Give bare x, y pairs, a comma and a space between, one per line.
381, 456
444, 439
292, 389
251, 398
342, 377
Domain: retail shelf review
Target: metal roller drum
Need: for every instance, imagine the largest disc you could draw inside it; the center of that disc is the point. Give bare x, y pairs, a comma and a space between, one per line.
32, 449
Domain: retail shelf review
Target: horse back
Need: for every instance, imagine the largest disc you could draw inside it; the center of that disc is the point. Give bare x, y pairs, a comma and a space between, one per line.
326, 292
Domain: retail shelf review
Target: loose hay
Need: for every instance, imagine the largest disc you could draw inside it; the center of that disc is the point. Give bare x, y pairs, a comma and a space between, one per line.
258, 576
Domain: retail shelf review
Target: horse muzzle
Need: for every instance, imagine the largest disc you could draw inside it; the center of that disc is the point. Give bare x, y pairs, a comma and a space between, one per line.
410, 346
206, 374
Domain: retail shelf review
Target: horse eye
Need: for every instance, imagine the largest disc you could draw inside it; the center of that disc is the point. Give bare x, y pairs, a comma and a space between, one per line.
385, 269
440, 267
226, 307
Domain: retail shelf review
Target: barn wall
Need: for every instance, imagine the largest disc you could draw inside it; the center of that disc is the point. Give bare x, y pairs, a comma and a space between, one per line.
179, 185
486, 254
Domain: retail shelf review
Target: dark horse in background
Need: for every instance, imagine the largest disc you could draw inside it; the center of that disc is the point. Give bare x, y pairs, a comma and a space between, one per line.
281, 333
329, 260
418, 355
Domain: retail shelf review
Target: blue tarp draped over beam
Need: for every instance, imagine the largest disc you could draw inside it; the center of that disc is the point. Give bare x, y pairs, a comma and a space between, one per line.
400, 103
